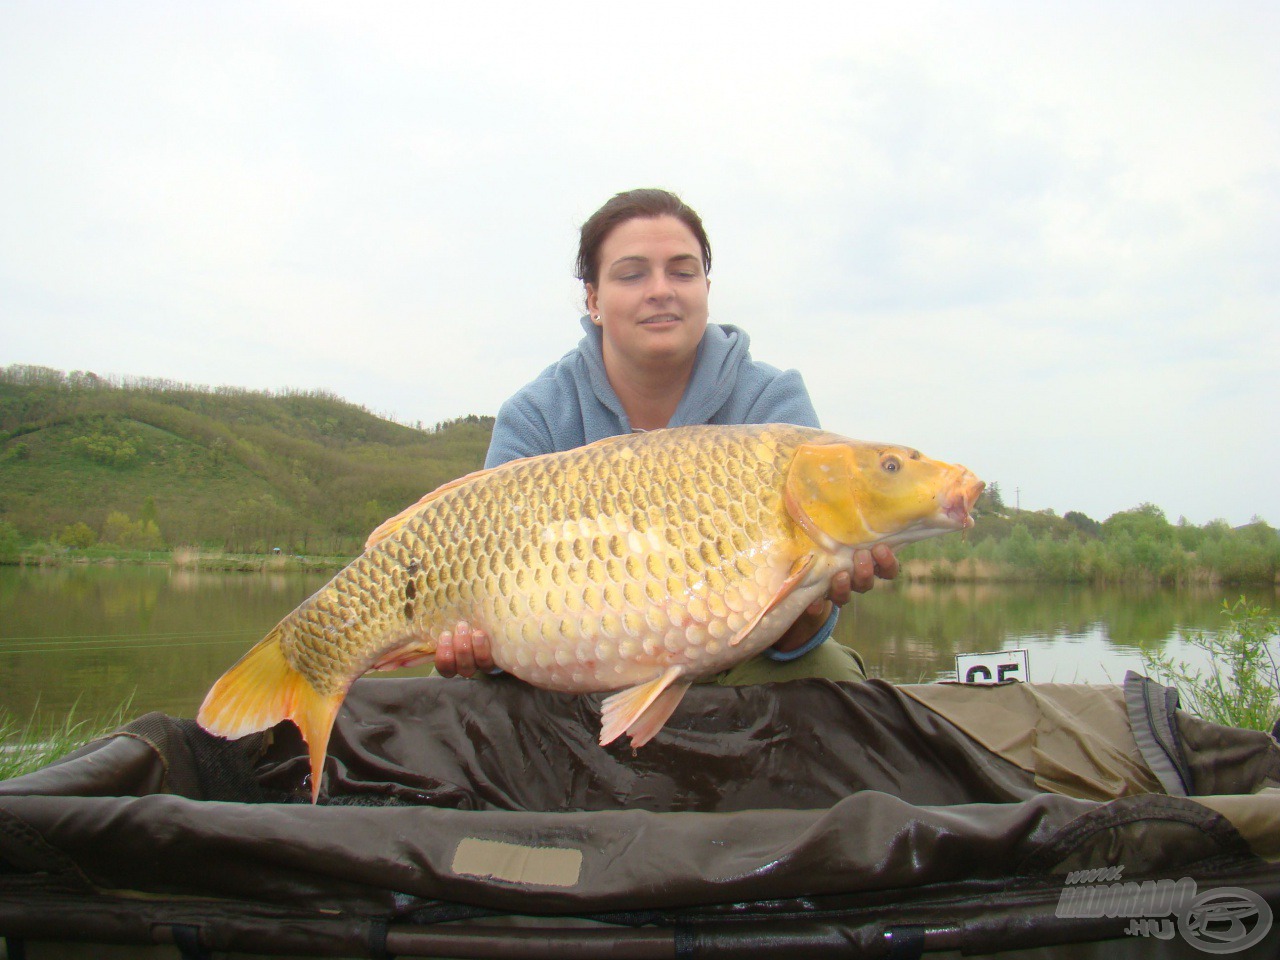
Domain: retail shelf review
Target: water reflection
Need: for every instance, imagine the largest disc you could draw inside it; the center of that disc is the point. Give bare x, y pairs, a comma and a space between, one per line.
97, 635
91, 637
1076, 634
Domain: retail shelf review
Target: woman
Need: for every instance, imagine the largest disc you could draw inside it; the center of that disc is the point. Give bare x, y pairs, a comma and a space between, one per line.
651, 360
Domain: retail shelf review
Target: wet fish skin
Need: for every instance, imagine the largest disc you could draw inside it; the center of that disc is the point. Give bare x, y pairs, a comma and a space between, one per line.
637, 564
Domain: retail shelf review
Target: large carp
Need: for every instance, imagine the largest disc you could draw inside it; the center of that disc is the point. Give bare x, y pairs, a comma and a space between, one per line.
637, 564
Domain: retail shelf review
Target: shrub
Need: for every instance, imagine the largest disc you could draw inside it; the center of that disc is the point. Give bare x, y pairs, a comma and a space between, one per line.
10, 540
136, 534
78, 534
119, 449
1243, 684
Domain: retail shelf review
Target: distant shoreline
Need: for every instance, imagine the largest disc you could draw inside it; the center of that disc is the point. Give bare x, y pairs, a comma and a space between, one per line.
974, 570
183, 558
922, 570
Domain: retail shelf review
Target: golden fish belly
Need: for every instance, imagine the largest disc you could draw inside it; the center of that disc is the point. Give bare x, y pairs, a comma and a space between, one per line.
592, 570
606, 639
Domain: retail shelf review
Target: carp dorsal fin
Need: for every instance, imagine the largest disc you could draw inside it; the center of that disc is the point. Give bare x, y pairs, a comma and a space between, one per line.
392, 525
820, 494
603, 442
799, 570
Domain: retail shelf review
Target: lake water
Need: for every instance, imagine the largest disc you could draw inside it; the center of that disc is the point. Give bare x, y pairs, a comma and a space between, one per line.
93, 636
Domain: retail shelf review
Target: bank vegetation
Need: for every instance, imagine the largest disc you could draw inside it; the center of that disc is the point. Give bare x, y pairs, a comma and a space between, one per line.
94, 469
1139, 545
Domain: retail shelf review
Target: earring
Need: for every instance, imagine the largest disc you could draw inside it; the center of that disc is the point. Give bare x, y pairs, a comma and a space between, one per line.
597, 320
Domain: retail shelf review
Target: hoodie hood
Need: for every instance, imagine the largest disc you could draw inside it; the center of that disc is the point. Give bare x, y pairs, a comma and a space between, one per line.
721, 354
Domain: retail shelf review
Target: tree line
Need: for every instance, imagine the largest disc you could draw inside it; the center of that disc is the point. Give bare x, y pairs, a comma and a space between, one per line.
1135, 545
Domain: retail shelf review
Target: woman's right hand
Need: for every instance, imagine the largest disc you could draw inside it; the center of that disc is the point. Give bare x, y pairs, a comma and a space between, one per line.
463, 652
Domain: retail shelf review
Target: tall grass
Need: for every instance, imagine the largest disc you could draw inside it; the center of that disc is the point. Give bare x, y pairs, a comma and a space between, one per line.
1242, 688
28, 745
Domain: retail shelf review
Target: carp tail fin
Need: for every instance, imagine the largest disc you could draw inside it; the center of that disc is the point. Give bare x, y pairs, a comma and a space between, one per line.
263, 689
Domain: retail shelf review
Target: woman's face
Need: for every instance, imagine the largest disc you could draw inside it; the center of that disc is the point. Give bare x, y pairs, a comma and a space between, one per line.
651, 299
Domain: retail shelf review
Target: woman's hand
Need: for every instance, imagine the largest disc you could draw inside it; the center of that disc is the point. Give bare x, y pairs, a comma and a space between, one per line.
879, 561
464, 652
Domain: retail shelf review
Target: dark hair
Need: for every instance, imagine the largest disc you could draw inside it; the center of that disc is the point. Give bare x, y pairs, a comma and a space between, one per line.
631, 205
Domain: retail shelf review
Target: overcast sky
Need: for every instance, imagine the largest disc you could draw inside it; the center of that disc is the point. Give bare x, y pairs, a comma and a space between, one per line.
1039, 239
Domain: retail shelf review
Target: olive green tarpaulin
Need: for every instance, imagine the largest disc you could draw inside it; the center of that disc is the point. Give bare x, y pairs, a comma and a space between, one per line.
482, 819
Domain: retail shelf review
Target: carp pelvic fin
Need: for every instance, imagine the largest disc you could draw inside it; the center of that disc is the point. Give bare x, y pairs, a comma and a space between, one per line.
642, 710
263, 689
416, 649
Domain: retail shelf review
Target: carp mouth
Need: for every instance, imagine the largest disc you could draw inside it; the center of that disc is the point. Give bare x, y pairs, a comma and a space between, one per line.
958, 502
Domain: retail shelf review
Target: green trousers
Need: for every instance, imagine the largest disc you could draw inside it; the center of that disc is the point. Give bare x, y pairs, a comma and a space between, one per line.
830, 661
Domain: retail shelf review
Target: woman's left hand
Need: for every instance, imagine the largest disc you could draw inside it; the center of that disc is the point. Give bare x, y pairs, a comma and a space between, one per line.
879, 561
868, 565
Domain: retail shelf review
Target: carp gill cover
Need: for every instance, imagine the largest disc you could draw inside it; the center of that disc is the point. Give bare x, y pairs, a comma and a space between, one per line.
637, 564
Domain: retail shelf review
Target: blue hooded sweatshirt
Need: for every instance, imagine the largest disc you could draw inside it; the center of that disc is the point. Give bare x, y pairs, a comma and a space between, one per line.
572, 403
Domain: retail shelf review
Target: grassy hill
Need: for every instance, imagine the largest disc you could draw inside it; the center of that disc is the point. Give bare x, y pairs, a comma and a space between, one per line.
225, 468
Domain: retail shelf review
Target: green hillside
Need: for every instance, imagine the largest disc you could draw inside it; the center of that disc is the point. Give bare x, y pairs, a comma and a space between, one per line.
224, 468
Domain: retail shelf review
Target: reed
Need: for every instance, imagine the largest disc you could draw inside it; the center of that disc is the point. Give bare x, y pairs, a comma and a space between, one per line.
28, 745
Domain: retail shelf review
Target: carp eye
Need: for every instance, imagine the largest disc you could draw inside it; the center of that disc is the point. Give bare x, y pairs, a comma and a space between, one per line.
891, 464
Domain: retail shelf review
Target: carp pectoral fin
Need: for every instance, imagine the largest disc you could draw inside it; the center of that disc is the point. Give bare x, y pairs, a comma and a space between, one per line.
263, 689
799, 570
642, 710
